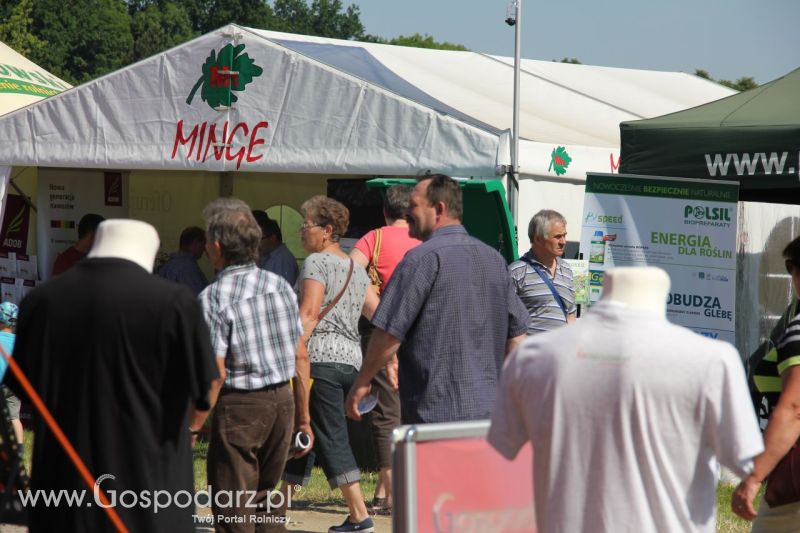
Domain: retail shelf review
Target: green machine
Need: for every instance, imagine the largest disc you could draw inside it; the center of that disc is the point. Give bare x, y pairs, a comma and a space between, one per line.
486, 213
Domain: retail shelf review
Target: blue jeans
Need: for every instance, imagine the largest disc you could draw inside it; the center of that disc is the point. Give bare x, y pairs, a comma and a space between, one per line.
332, 382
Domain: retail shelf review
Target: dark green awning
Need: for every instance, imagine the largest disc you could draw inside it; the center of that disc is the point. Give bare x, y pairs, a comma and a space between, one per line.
752, 137
486, 213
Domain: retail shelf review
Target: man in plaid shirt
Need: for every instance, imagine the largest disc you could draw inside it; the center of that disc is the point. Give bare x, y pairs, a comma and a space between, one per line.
255, 328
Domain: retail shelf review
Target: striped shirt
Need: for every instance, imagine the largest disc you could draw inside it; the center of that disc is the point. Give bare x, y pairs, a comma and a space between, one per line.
255, 325
789, 346
542, 306
766, 375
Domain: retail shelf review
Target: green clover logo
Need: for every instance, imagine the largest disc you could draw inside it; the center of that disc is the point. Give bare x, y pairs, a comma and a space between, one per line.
559, 160
225, 72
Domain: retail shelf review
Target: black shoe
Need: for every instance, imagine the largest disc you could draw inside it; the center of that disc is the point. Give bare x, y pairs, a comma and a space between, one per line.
365, 526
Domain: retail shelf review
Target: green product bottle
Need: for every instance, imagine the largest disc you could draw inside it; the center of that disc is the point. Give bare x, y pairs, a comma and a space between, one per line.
597, 248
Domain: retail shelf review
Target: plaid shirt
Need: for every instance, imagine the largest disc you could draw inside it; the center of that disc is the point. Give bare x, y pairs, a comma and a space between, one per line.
255, 326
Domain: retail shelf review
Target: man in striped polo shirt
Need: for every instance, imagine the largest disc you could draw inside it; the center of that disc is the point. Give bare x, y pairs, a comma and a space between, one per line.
542, 279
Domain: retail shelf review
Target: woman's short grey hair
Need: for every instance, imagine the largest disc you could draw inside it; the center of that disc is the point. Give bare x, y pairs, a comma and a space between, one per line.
541, 222
237, 233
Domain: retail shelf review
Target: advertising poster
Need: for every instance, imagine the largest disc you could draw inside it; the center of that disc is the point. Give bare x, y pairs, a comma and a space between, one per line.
14, 230
64, 196
580, 279
686, 227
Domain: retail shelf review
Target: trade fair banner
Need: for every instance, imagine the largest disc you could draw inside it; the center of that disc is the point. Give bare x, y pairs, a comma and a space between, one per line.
16, 220
580, 279
687, 227
64, 196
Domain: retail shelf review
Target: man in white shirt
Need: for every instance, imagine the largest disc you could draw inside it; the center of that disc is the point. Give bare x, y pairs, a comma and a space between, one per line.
628, 415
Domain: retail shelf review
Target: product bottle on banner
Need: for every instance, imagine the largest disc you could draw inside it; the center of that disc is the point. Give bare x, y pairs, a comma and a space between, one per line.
597, 249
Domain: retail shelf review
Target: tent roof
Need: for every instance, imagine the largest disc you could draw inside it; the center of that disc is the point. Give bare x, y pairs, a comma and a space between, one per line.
765, 106
560, 103
753, 136
23, 82
343, 107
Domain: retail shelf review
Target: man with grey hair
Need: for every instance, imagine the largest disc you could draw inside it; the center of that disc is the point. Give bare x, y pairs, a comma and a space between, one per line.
542, 279
255, 327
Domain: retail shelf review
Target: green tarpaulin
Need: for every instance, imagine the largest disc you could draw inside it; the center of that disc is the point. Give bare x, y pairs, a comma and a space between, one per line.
486, 214
752, 137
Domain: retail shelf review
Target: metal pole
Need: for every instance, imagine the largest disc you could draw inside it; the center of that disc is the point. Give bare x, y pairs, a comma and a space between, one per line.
512, 181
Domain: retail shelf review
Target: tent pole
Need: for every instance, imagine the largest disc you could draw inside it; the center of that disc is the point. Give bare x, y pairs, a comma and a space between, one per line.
512, 182
225, 184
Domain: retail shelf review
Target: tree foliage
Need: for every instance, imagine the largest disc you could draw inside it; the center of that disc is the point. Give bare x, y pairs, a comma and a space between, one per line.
323, 17
84, 39
16, 28
158, 28
745, 83
703, 74
417, 41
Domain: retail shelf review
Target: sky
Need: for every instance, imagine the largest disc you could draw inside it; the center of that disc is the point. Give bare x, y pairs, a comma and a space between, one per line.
728, 38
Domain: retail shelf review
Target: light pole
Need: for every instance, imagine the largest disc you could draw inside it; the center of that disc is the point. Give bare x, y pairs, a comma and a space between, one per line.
514, 18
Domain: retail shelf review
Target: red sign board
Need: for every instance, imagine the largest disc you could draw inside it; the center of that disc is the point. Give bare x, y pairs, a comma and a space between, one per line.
465, 486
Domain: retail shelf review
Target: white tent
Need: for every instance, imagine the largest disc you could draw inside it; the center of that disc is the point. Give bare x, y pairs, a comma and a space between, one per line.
23, 82
241, 100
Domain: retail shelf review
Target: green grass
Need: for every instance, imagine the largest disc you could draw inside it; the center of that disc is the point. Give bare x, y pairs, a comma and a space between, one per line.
727, 522
316, 492
28, 442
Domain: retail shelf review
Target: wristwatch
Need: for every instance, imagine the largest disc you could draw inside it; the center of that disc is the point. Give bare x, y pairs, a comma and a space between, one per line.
195, 431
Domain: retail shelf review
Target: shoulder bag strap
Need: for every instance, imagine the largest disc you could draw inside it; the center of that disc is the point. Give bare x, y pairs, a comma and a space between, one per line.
338, 296
372, 267
546, 279
376, 251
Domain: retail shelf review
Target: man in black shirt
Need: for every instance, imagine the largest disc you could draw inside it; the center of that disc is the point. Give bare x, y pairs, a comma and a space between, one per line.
119, 356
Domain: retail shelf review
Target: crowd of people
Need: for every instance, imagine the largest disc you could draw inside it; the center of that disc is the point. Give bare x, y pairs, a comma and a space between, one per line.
628, 414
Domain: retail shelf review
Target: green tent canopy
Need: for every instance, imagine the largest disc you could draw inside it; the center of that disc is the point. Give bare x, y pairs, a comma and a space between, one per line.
486, 214
752, 137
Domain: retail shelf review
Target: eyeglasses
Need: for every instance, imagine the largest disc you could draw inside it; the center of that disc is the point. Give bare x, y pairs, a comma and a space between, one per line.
789, 266
306, 227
